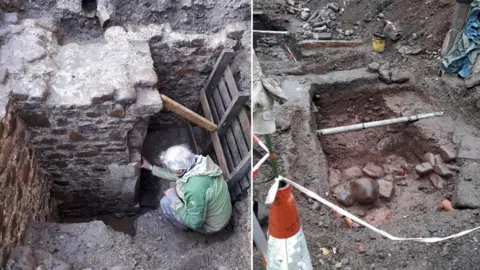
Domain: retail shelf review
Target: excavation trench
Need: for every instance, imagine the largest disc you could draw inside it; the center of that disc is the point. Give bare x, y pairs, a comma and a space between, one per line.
396, 149
84, 83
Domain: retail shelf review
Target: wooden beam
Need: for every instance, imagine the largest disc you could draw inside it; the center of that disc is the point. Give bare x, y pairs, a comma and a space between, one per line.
312, 44
218, 70
241, 170
187, 114
214, 137
232, 112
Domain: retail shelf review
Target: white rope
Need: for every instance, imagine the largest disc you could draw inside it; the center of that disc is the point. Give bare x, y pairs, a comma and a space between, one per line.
260, 162
273, 191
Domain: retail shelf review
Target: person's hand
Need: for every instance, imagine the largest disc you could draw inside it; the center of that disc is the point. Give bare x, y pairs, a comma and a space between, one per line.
171, 194
144, 164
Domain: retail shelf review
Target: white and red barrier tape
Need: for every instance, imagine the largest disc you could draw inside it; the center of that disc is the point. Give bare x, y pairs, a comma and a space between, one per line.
273, 191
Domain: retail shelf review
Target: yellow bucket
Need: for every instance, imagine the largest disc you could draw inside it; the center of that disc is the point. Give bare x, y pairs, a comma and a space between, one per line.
378, 42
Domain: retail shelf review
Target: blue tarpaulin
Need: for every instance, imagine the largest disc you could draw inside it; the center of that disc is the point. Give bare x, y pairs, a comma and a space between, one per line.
464, 53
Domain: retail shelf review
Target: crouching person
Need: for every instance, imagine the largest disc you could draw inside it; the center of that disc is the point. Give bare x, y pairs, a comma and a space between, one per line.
200, 200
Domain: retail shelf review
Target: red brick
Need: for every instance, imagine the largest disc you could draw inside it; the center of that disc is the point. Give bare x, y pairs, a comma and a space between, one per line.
76, 137
2, 128
24, 173
11, 125
5, 153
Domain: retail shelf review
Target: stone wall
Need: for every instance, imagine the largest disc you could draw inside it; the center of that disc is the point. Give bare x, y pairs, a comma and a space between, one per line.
87, 108
184, 62
24, 186
87, 105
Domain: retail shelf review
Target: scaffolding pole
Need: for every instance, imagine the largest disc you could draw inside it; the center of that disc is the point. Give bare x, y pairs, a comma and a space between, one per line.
405, 119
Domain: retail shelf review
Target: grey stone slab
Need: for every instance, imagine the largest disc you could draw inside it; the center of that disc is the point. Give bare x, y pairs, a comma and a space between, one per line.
467, 190
470, 147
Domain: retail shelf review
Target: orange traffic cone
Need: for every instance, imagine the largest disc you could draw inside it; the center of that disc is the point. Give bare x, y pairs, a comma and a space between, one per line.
287, 248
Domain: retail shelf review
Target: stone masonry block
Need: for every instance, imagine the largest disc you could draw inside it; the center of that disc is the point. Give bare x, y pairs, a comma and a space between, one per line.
148, 102
35, 119
19, 92
145, 77
447, 153
466, 193
123, 171
3, 74
442, 170
117, 111
103, 94
38, 91
235, 30
424, 168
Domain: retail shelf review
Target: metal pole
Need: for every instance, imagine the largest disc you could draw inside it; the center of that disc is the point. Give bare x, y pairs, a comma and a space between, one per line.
270, 32
259, 237
328, 131
462, 8
273, 159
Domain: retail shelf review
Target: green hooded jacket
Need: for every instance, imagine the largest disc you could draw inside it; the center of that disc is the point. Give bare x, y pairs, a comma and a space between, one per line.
205, 204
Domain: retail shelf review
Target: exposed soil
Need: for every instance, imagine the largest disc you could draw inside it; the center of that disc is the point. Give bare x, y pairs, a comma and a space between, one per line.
388, 147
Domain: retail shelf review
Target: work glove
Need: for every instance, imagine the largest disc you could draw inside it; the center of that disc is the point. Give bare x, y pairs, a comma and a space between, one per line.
264, 93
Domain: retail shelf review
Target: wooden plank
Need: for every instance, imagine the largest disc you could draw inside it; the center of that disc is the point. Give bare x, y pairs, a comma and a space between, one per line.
232, 112
238, 143
311, 44
243, 117
217, 112
214, 136
234, 138
241, 170
244, 183
230, 147
240, 131
218, 70
187, 114
192, 138
224, 93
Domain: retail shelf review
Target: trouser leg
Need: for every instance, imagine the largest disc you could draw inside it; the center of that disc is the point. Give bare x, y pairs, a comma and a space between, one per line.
165, 205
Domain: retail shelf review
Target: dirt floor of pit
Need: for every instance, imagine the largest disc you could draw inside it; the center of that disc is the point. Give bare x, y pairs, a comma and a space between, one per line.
423, 24
147, 240
387, 147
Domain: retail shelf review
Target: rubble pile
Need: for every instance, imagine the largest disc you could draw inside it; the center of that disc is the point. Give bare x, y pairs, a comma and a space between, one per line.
435, 167
365, 186
322, 24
